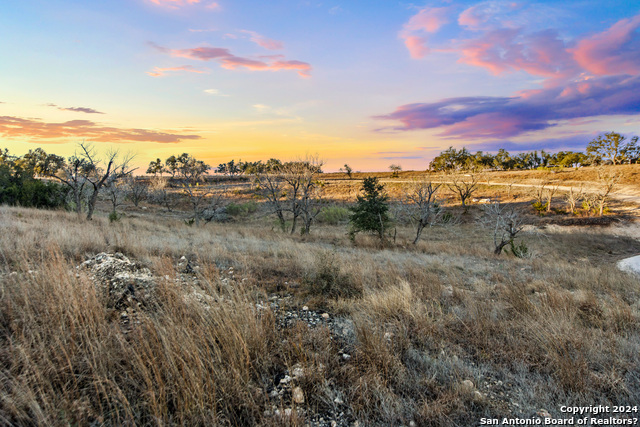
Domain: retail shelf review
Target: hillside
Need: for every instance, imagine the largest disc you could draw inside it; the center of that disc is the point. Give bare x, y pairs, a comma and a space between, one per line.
147, 320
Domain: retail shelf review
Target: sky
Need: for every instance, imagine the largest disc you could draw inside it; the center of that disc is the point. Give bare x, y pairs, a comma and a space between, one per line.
368, 83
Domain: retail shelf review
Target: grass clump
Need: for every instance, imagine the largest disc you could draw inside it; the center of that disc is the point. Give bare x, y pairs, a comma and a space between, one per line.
326, 278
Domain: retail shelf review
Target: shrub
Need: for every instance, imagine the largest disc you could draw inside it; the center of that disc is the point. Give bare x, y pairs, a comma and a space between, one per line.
334, 215
520, 251
540, 207
113, 216
241, 209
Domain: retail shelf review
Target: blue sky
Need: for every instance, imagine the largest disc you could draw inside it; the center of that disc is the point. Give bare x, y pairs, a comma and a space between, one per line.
358, 82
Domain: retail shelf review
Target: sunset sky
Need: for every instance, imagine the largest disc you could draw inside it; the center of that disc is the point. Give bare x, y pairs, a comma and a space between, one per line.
367, 83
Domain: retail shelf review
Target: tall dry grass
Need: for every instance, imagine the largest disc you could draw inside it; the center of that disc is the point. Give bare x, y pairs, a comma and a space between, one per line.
534, 333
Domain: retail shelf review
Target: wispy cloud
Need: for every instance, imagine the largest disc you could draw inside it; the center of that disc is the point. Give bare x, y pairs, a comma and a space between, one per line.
174, 3
18, 127
86, 110
214, 92
232, 62
263, 41
159, 72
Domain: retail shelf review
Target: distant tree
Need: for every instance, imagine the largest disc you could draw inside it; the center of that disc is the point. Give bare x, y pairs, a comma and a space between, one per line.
230, 168
452, 160
155, 167
395, 169
502, 160
190, 175
614, 147
370, 214
347, 169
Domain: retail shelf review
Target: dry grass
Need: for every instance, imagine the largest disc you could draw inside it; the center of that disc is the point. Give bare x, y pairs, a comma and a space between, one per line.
559, 328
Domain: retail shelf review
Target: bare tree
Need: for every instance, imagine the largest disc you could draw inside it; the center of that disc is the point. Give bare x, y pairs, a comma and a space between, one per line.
551, 190
573, 197
395, 169
292, 190
464, 187
115, 191
72, 173
115, 168
505, 222
136, 189
161, 193
423, 207
271, 186
190, 174
608, 181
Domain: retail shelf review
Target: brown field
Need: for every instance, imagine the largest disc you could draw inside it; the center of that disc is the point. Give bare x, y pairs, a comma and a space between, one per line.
440, 333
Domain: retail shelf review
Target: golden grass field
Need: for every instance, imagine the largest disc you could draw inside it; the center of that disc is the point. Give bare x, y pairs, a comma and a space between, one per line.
440, 333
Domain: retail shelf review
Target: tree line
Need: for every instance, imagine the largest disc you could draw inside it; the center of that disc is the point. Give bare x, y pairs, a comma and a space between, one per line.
612, 148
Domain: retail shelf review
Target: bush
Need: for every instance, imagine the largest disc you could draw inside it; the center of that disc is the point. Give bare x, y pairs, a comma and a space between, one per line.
540, 207
241, 209
21, 188
113, 216
521, 250
334, 215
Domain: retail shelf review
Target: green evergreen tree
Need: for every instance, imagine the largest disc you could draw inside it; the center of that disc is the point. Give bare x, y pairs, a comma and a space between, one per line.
370, 214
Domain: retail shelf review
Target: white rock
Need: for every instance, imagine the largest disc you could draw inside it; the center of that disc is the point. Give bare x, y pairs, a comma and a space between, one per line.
298, 395
325, 315
305, 308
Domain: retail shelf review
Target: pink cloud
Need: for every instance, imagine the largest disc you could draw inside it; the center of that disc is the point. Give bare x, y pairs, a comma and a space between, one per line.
233, 62
159, 72
614, 51
17, 127
541, 54
472, 17
263, 41
417, 46
304, 69
427, 20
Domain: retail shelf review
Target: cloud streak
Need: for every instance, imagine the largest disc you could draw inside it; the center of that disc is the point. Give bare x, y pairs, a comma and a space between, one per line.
85, 110
17, 127
230, 61
262, 41
159, 72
